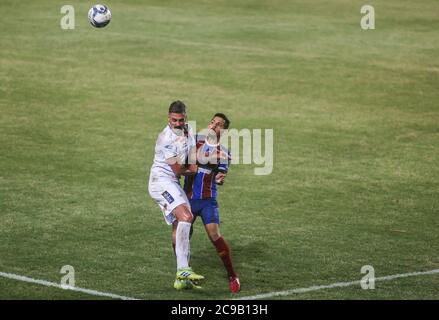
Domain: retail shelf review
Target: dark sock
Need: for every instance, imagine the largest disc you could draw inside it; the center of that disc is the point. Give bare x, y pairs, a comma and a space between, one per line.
223, 251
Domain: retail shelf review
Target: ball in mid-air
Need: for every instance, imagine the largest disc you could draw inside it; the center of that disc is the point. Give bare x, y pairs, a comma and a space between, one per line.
99, 16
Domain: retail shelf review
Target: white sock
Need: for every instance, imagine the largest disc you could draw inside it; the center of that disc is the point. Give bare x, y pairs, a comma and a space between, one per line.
182, 246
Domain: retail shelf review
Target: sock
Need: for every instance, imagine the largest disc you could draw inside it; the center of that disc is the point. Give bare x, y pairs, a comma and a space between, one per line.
182, 244
188, 253
223, 251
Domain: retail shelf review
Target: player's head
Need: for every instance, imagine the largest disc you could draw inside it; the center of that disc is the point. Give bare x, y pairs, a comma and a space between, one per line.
177, 115
219, 123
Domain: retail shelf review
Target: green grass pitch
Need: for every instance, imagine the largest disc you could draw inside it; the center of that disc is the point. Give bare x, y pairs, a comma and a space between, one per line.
355, 115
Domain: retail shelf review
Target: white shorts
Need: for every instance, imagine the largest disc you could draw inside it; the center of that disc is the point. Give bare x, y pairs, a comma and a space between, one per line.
168, 194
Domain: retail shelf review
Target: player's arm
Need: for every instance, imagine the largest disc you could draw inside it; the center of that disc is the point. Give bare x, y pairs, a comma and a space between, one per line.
223, 167
219, 178
184, 169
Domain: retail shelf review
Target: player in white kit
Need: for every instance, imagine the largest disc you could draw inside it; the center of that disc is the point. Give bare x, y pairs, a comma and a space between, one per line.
175, 156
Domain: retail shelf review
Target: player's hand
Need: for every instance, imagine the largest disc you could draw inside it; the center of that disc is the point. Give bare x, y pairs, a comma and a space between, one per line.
193, 168
219, 179
190, 170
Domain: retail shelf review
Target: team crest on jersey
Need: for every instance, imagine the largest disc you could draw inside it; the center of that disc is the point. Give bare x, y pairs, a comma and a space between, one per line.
168, 197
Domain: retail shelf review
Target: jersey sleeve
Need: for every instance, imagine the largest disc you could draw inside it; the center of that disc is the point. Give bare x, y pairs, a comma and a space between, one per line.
178, 148
223, 165
167, 147
169, 151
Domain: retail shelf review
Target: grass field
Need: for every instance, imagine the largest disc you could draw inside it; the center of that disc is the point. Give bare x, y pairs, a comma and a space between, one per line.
355, 115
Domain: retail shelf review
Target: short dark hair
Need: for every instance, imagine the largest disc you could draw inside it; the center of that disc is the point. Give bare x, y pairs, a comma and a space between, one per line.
224, 117
177, 107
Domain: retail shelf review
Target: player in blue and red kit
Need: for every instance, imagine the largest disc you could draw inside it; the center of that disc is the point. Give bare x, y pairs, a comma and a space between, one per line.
201, 189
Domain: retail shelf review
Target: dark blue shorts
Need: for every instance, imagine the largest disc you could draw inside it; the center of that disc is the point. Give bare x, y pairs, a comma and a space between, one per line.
207, 209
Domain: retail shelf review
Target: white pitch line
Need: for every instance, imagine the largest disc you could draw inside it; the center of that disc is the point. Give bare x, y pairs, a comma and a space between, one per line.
64, 287
335, 285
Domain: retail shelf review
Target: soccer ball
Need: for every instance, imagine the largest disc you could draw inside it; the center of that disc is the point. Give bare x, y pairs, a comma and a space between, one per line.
99, 16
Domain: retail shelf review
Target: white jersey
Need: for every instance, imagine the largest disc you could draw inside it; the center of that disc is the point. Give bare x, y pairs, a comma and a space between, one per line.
169, 145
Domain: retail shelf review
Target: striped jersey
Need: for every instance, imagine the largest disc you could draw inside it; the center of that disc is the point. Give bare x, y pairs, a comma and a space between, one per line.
202, 185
